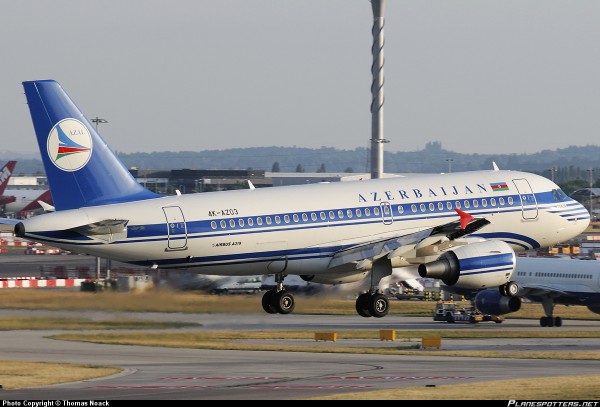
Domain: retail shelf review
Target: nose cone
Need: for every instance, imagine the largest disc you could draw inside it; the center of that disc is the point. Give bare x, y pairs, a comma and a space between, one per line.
580, 222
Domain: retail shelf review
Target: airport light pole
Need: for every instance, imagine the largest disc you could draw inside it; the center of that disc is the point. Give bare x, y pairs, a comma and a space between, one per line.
98, 120
377, 98
591, 171
552, 171
449, 164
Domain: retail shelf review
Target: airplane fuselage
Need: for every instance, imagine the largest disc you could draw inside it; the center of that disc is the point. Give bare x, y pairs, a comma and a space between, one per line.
233, 232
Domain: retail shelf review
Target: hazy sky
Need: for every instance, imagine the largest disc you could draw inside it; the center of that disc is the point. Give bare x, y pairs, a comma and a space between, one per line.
480, 76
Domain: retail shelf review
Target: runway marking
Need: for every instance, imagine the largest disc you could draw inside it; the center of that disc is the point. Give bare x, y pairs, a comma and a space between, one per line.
224, 378
383, 378
151, 387
398, 377
310, 387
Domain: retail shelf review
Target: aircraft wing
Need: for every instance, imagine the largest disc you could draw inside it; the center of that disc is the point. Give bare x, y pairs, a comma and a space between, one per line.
7, 199
399, 245
542, 291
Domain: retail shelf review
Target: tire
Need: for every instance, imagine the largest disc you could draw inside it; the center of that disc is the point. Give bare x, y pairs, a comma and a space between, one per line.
268, 301
502, 289
284, 302
449, 318
512, 289
362, 305
379, 305
558, 321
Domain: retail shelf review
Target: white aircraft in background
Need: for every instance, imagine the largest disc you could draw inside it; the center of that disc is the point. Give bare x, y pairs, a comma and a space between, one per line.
28, 200
329, 233
548, 281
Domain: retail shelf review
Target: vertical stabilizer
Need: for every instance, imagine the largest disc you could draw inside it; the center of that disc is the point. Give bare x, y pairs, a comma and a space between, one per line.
5, 174
81, 168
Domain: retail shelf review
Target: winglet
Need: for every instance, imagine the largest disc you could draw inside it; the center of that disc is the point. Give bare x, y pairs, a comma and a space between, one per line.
465, 218
495, 166
250, 185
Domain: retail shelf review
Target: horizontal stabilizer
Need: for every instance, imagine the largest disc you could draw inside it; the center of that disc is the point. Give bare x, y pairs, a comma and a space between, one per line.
46, 207
107, 230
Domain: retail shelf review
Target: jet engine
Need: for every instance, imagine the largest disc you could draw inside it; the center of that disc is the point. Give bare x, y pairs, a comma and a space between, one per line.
476, 265
491, 302
335, 278
594, 308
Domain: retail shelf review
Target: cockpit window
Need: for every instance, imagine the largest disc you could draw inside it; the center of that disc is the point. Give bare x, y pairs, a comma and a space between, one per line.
559, 195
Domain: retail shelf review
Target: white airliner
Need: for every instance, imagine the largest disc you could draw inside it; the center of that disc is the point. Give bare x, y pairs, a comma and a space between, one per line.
27, 200
462, 228
548, 281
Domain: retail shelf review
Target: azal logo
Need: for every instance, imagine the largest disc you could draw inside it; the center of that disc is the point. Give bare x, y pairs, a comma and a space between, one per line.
69, 145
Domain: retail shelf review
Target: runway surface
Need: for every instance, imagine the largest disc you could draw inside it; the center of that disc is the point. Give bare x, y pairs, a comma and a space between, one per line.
155, 373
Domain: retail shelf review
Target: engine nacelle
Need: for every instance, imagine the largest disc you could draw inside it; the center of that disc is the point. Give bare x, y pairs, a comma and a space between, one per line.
476, 265
492, 302
594, 308
335, 278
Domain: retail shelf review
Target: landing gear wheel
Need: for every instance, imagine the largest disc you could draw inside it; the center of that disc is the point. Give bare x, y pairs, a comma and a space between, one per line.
544, 321
558, 321
511, 288
379, 305
268, 301
362, 305
502, 289
449, 317
283, 302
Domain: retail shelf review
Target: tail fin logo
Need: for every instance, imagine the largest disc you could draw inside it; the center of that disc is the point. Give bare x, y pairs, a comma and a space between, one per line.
69, 145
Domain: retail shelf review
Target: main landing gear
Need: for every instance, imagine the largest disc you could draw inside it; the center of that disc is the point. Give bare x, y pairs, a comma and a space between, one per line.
373, 303
510, 289
549, 320
278, 301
